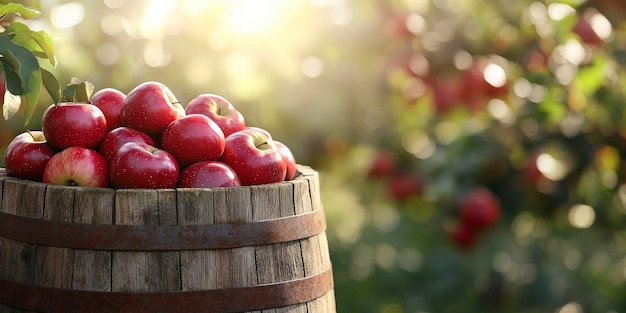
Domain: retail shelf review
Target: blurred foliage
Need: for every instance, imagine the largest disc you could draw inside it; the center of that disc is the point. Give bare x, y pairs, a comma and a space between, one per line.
406, 108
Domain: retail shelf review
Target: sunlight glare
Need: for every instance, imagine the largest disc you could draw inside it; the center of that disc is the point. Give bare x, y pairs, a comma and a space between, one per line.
67, 15
250, 16
581, 216
154, 19
495, 75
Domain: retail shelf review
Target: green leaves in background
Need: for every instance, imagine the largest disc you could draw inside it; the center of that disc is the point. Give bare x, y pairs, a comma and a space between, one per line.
21, 50
18, 9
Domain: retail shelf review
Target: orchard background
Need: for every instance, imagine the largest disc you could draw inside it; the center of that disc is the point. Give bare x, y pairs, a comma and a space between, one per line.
409, 110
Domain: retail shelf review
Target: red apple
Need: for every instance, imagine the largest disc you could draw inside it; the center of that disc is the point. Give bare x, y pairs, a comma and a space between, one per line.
77, 166
193, 138
218, 109
208, 174
73, 124
140, 165
26, 156
117, 137
463, 237
403, 185
109, 101
446, 92
530, 173
382, 165
288, 158
254, 157
480, 208
585, 29
257, 129
149, 108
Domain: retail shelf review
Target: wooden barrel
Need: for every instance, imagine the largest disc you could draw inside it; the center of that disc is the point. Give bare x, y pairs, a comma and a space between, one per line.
236, 249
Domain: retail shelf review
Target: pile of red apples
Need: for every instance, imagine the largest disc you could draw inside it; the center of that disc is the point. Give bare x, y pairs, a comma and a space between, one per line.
147, 139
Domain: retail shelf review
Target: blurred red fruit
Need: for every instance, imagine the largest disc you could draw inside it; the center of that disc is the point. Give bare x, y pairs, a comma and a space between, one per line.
383, 164
480, 209
463, 237
403, 185
592, 27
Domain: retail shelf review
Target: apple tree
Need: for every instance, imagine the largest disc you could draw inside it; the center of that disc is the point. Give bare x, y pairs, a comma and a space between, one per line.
492, 177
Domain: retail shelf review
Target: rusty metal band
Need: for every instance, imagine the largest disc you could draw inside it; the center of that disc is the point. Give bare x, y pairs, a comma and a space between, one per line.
52, 300
161, 237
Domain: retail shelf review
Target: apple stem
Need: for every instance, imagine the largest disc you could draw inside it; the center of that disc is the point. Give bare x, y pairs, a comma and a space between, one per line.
262, 144
31, 134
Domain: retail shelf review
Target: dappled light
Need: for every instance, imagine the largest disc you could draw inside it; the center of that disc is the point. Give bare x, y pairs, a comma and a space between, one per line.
472, 154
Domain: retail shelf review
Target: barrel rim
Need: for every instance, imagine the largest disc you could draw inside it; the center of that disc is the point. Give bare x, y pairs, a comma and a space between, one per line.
302, 171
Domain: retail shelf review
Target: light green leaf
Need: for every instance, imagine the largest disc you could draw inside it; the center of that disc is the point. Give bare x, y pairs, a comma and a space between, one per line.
31, 97
16, 8
52, 85
11, 105
37, 42
591, 78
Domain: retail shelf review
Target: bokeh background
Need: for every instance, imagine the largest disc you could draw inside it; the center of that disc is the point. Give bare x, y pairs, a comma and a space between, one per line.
472, 153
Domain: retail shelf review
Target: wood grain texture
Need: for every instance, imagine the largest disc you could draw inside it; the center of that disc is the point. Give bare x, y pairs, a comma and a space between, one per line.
145, 271
166, 271
53, 264
92, 268
17, 259
195, 207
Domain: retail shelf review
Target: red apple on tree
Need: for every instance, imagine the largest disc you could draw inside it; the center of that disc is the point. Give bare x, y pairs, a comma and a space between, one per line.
383, 164
403, 185
26, 156
288, 158
109, 101
463, 236
140, 165
193, 138
218, 109
73, 124
254, 157
117, 137
208, 174
149, 108
480, 208
77, 166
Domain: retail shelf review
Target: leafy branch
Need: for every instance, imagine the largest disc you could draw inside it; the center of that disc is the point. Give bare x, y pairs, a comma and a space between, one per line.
22, 51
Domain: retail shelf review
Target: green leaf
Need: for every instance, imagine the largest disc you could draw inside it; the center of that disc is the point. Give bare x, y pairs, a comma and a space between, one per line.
37, 42
16, 8
11, 105
591, 78
20, 60
78, 91
32, 95
52, 85
10, 67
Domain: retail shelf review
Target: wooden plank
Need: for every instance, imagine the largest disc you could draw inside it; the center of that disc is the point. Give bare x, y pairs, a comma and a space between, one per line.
234, 267
92, 268
145, 271
53, 265
313, 252
23, 198
195, 207
281, 261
